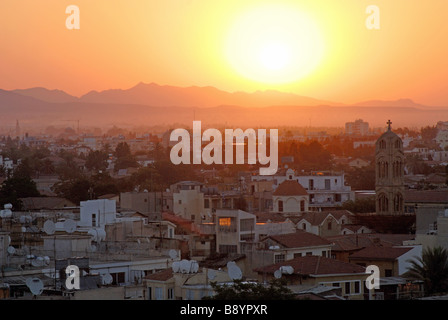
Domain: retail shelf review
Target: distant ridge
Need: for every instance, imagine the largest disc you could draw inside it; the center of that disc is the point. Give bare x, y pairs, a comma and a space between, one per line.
152, 104
161, 96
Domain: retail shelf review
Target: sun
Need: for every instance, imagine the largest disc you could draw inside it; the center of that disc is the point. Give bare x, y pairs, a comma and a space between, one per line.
274, 44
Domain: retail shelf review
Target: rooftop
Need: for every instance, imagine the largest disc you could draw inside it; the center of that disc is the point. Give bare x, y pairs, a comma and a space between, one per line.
290, 188
299, 239
314, 266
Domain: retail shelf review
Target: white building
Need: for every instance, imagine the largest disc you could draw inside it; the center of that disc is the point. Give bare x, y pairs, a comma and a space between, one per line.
325, 189
97, 213
234, 228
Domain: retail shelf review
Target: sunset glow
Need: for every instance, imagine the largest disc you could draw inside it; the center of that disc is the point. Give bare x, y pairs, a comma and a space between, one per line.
274, 44
319, 49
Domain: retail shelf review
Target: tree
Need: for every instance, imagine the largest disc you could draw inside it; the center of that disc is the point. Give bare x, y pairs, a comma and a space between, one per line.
19, 185
96, 160
240, 290
432, 269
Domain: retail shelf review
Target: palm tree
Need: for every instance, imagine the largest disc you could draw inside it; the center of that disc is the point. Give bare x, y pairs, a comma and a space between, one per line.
432, 269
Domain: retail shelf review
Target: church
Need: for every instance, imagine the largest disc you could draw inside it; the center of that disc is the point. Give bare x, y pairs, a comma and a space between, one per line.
389, 173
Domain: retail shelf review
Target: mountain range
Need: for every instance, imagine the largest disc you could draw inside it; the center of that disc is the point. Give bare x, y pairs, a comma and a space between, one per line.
152, 104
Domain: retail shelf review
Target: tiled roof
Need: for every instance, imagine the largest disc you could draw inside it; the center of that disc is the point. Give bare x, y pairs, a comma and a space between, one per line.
379, 253
39, 203
163, 275
269, 216
314, 265
299, 239
426, 196
290, 188
350, 242
317, 218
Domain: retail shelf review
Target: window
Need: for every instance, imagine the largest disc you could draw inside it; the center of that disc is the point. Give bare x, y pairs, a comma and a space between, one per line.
297, 255
337, 197
388, 272
227, 224
329, 225
279, 258
206, 203
280, 206
159, 293
311, 184
193, 217
336, 284
170, 293
149, 293
327, 184
180, 202
247, 224
309, 254
302, 205
324, 254
357, 287
304, 226
347, 288
94, 220
227, 248
189, 294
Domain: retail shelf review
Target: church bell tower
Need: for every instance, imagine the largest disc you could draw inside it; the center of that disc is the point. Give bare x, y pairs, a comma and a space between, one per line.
389, 173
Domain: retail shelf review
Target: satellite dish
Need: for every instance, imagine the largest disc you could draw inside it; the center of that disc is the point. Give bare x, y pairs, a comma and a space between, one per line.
101, 235
69, 226
211, 274
175, 266
91, 248
38, 262
49, 227
235, 272
277, 274
47, 260
194, 266
286, 270
107, 278
11, 250
94, 234
35, 285
23, 229
184, 266
173, 254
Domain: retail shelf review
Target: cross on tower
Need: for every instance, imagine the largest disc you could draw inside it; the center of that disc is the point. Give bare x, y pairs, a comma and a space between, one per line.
388, 124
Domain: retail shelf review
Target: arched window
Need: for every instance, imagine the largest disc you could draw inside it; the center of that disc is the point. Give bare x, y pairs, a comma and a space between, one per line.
304, 226
397, 144
383, 203
382, 144
398, 202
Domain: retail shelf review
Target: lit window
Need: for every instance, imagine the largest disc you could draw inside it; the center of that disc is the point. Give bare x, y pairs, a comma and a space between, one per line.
225, 222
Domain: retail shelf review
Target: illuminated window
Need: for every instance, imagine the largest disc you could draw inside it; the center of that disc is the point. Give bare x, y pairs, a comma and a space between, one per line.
225, 222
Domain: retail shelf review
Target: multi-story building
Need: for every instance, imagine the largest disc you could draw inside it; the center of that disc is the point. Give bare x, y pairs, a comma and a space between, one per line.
357, 128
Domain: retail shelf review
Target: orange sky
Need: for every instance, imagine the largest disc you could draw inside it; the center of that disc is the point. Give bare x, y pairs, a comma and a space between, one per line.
183, 43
